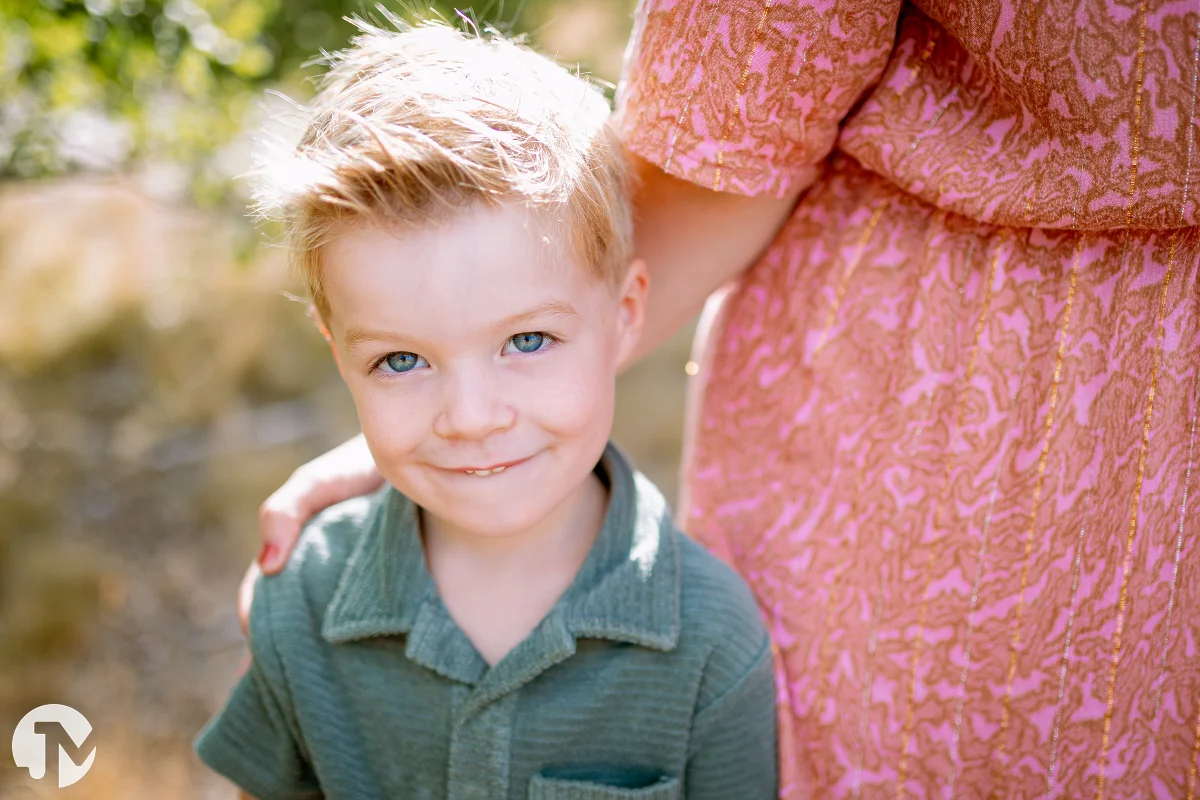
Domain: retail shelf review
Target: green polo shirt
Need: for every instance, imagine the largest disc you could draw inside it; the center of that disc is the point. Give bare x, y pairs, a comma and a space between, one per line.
650, 677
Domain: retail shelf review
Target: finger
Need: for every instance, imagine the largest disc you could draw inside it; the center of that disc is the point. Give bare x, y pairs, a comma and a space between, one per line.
344, 472
246, 597
306, 492
280, 520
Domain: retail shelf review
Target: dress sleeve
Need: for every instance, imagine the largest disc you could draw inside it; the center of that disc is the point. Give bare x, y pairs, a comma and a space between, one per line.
254, 740
746, 96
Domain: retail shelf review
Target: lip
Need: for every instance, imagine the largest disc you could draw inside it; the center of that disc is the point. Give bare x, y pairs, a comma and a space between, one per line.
497, 465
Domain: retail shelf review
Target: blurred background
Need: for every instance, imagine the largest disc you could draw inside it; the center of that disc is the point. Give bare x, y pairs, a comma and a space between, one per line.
155, 383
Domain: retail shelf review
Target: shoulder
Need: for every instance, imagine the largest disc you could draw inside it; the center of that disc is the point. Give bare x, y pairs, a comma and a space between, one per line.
715, 598
294, 600
719, 612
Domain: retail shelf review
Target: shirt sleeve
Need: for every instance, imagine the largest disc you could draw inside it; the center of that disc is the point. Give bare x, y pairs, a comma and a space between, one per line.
746, 96
733, 744
255, 740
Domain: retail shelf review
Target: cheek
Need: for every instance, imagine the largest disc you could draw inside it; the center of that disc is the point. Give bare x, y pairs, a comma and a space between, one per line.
391, 418
579, 396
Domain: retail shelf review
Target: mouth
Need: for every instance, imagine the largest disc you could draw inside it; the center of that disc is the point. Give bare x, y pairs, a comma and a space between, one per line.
494, 469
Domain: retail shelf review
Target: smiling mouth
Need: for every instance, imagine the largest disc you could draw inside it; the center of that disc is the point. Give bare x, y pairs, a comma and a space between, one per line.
484, 471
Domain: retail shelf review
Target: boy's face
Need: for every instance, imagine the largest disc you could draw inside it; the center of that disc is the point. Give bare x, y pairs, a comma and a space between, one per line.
479, 343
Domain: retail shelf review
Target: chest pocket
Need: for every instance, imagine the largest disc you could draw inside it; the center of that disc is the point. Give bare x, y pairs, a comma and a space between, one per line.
650, 787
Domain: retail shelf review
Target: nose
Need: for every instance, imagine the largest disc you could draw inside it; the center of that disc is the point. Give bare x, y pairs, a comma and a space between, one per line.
473, 406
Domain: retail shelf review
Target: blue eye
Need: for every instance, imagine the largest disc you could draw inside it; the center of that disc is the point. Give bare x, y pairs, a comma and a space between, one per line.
399, 362
528, 342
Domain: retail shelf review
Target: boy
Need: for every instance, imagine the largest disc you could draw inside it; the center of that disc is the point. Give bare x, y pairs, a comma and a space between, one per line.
514, 615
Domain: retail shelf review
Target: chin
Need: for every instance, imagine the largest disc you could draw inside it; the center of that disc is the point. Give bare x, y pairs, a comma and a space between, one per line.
505, 519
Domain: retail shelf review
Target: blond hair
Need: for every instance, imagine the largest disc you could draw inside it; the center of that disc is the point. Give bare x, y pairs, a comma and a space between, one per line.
413, 123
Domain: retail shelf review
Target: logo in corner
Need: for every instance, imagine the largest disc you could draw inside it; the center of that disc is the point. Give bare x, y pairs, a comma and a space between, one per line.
54, 737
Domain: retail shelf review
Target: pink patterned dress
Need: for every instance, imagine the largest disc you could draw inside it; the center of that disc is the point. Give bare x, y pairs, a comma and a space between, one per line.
946, 426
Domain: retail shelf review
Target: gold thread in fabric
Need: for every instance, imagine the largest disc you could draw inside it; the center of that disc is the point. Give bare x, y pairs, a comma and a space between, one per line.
1089, 499
636, 36
741, 88
1133, 516
922, 60
1066, 649
1006, 705
939, 222
1187, 174
860, 756
826, 647
1187, 485
987, 304
910, 705
1066, 657
850, 268
920, 137
1187, 170
687, 103
1137, 117
791, 88
979, 560
1078, 562
962, 285
1133, 171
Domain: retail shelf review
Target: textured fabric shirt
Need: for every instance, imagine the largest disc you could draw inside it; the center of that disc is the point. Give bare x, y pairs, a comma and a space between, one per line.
649, 678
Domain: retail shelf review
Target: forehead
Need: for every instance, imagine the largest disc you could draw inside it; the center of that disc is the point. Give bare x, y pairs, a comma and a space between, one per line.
474, 265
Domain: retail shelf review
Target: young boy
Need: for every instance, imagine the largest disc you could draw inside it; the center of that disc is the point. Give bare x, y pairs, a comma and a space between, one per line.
514, 615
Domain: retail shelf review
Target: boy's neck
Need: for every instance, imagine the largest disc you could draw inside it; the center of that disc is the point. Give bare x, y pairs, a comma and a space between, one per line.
564, 535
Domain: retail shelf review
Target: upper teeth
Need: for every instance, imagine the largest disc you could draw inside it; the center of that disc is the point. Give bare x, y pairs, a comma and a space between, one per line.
485, 471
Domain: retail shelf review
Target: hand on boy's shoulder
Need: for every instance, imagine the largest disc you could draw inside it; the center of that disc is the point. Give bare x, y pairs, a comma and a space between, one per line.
315, 566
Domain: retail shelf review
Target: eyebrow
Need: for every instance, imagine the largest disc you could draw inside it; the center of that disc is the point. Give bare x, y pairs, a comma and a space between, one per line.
551, 308
354, 338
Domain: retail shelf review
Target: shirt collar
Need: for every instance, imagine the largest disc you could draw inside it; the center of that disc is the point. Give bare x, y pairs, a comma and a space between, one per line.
627, 588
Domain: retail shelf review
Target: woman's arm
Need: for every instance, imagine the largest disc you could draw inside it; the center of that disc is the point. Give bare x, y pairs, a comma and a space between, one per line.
693, 240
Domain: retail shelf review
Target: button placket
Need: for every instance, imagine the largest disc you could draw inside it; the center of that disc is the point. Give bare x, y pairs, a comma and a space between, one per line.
480, 749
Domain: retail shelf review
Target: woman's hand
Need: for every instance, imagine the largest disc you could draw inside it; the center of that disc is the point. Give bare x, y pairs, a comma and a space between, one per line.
346, 471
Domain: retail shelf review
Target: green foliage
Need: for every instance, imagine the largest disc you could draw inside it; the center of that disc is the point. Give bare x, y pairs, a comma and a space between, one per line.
103, 84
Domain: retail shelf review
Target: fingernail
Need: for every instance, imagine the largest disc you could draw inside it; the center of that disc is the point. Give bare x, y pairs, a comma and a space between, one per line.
266, 555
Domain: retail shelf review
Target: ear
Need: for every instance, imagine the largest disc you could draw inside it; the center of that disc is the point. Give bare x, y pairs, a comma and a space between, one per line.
631, 310
319, 321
